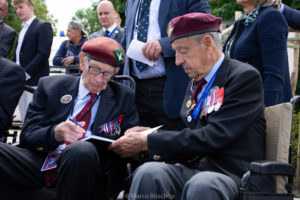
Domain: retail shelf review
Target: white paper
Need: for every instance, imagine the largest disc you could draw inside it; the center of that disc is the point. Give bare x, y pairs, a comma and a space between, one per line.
98, 138
149, 131
135, 52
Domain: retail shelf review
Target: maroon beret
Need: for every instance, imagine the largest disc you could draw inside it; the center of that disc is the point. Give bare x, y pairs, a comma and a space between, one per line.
105, 50
192, 24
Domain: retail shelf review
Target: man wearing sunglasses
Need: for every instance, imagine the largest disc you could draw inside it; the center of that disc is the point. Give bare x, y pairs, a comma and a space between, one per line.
66, 109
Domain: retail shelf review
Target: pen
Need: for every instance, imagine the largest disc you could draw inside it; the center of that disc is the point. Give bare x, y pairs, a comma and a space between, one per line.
75, 122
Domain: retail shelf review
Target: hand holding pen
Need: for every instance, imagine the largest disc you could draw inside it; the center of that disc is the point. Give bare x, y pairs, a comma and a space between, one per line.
69, 131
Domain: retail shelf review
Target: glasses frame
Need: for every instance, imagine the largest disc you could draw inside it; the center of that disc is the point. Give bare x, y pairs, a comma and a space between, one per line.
105, 75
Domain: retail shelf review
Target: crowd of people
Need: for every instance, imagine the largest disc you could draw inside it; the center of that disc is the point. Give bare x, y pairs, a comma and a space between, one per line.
209, 97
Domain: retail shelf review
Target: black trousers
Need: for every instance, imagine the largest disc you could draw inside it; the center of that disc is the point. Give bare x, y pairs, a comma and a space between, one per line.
149, 103
81, 174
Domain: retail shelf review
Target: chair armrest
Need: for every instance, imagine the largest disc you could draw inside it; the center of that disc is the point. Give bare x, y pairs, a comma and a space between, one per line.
272, 168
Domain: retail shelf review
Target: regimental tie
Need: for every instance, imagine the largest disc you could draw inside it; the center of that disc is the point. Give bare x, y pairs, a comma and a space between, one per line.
197, 89
83, 115
106, 33
142, 31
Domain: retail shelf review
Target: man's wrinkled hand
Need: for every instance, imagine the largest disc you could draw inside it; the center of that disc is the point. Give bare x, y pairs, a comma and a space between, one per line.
152, 50
129, 145
68, 131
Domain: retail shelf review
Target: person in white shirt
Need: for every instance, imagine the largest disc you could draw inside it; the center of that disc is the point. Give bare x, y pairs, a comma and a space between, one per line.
33, 48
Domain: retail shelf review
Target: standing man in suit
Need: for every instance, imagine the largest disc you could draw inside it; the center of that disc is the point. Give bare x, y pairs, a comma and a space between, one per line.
12, 80
106, 16
159, 89
223, 110
85, 170
7, 34
33, 48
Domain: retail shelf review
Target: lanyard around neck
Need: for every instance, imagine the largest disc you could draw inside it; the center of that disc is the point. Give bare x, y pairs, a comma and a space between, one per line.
111, 33
203, 96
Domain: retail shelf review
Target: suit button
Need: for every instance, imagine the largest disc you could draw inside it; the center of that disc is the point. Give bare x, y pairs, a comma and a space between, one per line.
156, 157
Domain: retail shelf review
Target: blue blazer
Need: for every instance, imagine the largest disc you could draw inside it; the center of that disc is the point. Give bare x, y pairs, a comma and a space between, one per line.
292, 17
263, 44
177, 79
35, 50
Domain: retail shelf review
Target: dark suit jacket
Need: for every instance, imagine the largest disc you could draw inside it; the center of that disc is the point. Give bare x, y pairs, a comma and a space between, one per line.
7, 38
35, 50
12, 80
292, 17
263, 44
225, 140
177, 79
118, 35
46, 110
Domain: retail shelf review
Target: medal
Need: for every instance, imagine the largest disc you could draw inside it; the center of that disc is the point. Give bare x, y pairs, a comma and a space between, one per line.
189, 103
189, 118
218, 106
66, 99
214, 89
117, 131
210, 109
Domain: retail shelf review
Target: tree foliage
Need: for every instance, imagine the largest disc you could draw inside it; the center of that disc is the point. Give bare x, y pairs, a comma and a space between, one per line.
40, 10
227, 8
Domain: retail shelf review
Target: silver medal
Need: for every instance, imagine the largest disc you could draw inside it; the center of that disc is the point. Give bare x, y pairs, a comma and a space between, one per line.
66, 99
218, 106
189, 118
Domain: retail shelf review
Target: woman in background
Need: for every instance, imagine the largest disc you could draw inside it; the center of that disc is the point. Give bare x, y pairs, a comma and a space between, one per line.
259, 38
68, 52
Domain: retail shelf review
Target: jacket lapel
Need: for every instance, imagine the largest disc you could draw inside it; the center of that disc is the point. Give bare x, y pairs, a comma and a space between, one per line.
33, 23
164, 7
221, 75
105, 108
130, 21
70, 88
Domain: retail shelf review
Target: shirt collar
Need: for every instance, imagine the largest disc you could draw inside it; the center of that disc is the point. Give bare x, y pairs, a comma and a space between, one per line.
28, 22
282, 8
110, 29
215, 68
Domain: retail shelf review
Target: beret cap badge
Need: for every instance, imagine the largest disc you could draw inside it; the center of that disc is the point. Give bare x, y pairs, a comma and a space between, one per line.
170, 30
119, 56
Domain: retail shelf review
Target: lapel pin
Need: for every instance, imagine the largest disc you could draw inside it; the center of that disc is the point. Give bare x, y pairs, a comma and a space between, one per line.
66, 99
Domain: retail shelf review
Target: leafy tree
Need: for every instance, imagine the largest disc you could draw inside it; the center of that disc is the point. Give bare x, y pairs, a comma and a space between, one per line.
88, 17
40, 10
227, 8
224, 8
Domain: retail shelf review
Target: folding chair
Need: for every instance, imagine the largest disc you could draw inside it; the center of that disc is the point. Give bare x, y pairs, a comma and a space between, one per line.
279, 121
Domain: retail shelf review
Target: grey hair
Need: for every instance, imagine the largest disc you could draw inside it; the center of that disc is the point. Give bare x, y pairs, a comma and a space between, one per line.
77, 26
216, 36
86, 59
265, 3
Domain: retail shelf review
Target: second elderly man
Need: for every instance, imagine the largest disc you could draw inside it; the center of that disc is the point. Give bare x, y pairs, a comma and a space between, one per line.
223, 110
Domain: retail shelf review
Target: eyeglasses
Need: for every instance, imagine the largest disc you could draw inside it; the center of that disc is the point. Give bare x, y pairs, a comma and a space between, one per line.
97, 71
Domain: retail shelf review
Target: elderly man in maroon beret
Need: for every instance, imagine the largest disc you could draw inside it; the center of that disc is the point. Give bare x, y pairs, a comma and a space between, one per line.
223, 110
66, 109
